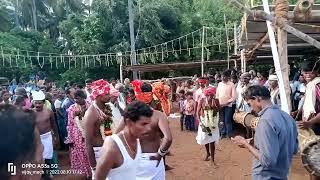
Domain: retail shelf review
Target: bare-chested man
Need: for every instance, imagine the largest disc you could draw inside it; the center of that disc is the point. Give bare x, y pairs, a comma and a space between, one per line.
155, 145
94, 116
45, 123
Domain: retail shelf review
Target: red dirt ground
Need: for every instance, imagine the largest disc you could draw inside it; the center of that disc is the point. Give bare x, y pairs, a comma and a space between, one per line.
233, 162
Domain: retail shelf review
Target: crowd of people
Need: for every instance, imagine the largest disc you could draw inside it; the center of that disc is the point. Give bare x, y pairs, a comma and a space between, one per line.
121, 130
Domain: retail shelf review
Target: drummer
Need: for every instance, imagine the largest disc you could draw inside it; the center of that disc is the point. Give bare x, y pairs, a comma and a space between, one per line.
241, 105
275, 140
311, 108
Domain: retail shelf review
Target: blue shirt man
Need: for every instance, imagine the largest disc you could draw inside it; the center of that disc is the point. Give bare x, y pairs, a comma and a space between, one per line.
275, 140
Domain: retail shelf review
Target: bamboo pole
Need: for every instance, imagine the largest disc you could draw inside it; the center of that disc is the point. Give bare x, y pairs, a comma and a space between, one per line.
202, 52
227, 37
174, 78
119, 56
235, 39
277, 21
242, 57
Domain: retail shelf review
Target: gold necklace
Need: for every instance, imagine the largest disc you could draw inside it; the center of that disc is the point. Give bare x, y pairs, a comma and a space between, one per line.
124, 137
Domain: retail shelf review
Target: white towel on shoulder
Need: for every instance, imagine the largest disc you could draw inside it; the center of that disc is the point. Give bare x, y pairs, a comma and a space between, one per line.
310, 98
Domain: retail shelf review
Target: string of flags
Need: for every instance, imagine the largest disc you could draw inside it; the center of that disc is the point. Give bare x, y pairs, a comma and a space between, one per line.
188, 44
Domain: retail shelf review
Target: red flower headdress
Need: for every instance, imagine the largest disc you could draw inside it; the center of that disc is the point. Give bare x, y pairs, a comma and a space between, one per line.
100, 87
209, 90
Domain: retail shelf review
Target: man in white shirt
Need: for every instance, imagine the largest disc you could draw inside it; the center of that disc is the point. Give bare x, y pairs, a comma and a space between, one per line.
274, 90
241, 105
114, 105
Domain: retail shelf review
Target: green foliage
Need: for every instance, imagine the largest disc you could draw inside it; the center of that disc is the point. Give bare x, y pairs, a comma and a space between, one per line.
72, 26
291, 2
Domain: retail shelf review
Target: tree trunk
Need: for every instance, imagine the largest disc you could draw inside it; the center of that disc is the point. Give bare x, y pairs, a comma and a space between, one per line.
16, 17
34, 15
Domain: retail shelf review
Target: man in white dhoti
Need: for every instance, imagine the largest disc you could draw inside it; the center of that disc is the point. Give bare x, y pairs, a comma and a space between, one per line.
208, 131
45, 123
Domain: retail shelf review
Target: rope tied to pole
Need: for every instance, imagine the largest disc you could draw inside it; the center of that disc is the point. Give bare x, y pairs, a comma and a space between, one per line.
281, 8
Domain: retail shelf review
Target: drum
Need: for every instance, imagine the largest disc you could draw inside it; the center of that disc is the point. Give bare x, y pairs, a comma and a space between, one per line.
246, 119
309, 145
239, 117
254, 122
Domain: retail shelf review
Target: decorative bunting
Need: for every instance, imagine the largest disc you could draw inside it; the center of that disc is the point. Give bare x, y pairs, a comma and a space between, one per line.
56, 62
10, 60
17, 58
182, 45
75, 61
50, 60
24, 62
30, 60
108, 60
162, 54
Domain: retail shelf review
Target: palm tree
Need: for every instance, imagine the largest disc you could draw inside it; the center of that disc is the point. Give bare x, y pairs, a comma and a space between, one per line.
34, 15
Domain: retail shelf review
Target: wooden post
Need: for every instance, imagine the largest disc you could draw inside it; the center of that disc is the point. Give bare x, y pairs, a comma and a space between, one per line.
227, 37
283, 57
279, 22
277, 64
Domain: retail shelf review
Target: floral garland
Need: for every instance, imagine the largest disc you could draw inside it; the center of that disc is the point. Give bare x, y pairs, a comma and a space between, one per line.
208, 122
105, 124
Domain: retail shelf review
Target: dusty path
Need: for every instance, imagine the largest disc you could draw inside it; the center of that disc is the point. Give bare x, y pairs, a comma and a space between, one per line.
233, 163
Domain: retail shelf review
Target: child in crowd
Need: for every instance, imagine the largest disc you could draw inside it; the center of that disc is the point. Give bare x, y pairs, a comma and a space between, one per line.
5, 96
130, 96
189, 110
181, 107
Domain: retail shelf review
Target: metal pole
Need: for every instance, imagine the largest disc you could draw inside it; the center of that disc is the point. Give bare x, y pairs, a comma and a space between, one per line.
202, 52
132, 40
